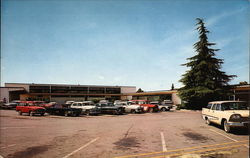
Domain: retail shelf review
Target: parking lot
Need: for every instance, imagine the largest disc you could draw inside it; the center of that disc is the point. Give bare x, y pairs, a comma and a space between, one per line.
164, 134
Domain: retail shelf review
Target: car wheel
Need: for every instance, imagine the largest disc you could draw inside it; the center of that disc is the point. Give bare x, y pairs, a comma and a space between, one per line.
227, 128
20, 112
87, 112
163, 109
150, 110
42, 114
208, 121
31, 113
119, 111
132, 111
66, 114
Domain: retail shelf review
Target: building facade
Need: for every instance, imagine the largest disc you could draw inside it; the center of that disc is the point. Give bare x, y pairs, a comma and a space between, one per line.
63, 92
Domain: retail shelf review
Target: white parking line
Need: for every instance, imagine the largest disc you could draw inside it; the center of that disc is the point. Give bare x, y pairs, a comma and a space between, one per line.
227, 137
8, 146
164, 148
14, 127
92, 141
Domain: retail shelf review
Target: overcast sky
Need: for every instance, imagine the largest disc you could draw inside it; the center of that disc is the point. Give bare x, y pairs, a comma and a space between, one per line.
138, 43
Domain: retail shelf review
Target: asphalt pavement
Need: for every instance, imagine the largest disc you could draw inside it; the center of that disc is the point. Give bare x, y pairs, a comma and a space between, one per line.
164, 134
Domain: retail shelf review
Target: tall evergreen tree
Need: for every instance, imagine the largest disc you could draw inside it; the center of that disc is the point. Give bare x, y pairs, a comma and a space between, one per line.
172, 87
204, 81
139, 90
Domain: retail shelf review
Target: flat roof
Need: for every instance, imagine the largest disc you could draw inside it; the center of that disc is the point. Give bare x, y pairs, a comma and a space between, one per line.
57, 84
152, 93
226, 101
12, 87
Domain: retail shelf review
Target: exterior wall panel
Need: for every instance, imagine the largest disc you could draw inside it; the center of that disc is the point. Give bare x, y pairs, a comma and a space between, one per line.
128, 90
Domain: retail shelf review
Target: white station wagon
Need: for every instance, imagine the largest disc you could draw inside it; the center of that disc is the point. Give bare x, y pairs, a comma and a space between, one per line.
228, 114
129, 106
88, 107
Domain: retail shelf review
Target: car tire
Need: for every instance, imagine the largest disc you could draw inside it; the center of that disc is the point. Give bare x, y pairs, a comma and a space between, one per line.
208, 121
226, 127
31, 113
163, 109
87, 112
42, 114
132, 111
119, 111
66, 114
150, 110
20, 112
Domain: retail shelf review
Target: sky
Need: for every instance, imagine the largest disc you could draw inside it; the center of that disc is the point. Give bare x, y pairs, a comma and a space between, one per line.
138, 43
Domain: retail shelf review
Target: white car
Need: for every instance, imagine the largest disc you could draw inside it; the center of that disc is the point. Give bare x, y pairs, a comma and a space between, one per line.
130, 107
228, 114
88, 107
69, 102
163, 106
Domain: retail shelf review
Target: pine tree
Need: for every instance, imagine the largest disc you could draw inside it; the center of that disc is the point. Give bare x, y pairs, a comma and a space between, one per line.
139, 90
204, 81
172, 87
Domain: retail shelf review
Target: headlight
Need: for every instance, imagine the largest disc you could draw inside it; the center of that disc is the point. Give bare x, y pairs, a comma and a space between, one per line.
234, 117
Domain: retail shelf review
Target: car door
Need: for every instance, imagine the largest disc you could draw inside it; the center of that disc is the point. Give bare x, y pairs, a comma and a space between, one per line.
218, 113
88, 106
76, 105
26, 108
212, 113
80, 106
84, 107
216, 110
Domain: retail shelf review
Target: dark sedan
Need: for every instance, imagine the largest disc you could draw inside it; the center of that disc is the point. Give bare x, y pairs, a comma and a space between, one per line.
110, 108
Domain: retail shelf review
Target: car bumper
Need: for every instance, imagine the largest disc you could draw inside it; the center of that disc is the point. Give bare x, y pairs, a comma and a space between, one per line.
239, 124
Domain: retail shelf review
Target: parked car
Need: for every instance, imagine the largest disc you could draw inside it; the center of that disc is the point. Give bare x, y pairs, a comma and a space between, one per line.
110, 108
47, 105
58, 109
69, 102
147, 107
163, 106
88, 107
130, 107
116, 102
228, 114
10, 105
30, 107
169, 103
103, 101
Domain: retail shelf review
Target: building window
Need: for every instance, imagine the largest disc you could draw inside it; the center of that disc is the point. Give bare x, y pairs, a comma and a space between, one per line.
83, 90
39, 89
113, 90
60, 89
96, 90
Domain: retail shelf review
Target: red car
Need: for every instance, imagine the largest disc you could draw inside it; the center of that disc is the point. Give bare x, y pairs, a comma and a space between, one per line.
30, 107
147, 106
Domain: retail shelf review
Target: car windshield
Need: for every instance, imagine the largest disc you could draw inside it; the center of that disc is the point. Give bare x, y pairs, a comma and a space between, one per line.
235, 106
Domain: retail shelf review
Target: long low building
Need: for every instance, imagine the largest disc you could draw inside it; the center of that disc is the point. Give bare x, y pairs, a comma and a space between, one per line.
65, 92
62, 92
